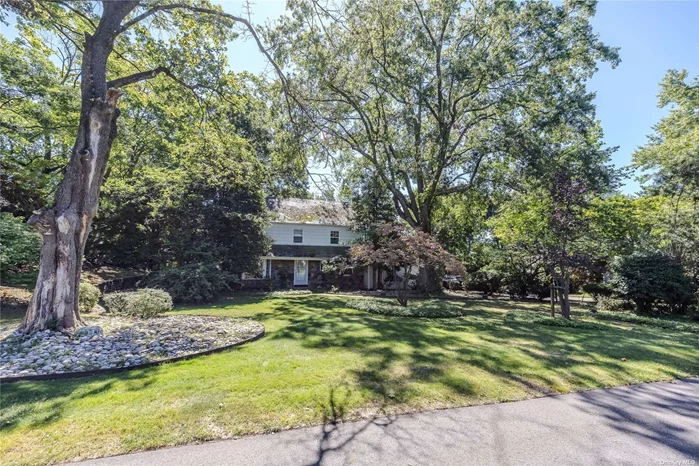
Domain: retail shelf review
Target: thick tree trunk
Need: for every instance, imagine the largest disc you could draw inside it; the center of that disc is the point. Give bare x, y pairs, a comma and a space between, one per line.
64, 227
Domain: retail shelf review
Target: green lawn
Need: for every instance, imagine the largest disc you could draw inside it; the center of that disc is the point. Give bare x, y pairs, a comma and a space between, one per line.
320, 361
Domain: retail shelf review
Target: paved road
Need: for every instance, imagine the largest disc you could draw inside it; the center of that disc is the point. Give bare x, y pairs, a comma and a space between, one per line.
651, 424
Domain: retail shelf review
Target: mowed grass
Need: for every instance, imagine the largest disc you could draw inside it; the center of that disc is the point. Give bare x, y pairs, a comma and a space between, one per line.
320, 362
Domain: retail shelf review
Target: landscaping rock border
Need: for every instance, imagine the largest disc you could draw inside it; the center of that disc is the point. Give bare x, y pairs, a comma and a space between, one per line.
87, 333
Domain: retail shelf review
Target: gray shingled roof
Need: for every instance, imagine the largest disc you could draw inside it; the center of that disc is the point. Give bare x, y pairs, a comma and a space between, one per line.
293, 210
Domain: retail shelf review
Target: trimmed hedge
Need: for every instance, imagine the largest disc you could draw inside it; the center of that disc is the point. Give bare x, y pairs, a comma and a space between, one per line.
142, 303
431, 308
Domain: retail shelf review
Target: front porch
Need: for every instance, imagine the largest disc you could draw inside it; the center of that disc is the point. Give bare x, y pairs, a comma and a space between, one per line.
300, 272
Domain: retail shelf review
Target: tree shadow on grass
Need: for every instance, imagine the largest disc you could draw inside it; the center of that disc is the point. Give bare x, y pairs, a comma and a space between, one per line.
399, 352
21, 399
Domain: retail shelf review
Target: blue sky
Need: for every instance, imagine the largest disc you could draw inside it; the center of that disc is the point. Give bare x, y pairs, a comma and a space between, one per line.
653, 36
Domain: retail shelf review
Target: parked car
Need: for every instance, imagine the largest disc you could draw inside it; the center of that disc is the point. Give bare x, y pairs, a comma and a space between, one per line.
452, 282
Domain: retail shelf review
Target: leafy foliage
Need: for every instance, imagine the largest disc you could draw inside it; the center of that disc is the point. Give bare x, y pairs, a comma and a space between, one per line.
612, 304
396, 246
39, 112
430, 94
88, 296
205, 211
193, 283
143, 303
671, 159
542, 319
664, 323
655, 282
19, 246
422, 308
370, 200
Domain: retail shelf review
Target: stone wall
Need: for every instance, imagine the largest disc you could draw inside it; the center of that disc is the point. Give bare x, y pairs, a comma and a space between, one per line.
282, 273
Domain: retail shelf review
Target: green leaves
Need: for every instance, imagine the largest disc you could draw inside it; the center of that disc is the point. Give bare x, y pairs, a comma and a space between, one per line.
19, 246
429, 94
671, 161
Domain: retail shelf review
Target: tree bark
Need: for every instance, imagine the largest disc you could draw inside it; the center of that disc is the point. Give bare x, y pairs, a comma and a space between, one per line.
64, 226
563, 285
553, 299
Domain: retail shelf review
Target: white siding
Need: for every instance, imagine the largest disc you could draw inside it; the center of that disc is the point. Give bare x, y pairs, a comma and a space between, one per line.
313, 235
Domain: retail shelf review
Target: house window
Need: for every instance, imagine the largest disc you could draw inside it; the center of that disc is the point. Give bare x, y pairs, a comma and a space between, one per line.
298, 236
334, 237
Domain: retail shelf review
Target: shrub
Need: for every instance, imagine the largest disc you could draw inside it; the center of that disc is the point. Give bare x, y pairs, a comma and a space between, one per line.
483, 282
654, 282
146, 302
88, 296
455, 286
429, 308
192, 284
19, 246
542, 319
650, 321
520, 284
597, 289
609, 304
283, 277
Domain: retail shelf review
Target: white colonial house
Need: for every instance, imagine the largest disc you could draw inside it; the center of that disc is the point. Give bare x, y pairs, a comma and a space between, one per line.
304, 233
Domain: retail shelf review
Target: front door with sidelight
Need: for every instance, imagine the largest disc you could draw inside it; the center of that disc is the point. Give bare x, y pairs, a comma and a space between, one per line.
300, 272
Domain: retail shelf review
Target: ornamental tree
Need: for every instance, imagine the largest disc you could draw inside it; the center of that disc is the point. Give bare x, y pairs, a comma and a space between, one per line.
397, 247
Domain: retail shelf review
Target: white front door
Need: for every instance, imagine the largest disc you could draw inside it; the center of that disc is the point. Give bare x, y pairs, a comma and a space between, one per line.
300, 272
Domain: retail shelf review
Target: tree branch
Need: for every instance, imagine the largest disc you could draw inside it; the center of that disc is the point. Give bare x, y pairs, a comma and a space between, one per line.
137, 77
221, 14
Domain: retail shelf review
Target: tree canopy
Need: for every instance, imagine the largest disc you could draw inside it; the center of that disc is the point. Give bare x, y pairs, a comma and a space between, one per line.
430, 94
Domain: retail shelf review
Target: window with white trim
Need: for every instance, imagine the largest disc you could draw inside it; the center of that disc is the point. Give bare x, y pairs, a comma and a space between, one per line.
334, 237
298, 236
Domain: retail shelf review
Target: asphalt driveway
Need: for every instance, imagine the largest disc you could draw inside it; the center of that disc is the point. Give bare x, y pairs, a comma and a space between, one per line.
649, 424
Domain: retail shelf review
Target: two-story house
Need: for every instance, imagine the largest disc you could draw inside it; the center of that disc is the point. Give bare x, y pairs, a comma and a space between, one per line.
304, 233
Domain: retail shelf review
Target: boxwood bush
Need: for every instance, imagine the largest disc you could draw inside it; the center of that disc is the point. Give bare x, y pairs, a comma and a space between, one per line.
88, 296
146, 302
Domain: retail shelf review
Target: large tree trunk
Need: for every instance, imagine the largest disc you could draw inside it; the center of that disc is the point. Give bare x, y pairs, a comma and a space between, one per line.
64, 227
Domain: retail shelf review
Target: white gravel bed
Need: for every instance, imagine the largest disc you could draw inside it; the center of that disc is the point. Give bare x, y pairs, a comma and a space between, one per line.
111, 342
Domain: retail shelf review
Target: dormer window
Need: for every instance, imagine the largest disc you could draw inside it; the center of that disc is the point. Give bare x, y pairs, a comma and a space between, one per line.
334, 237
298, 236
